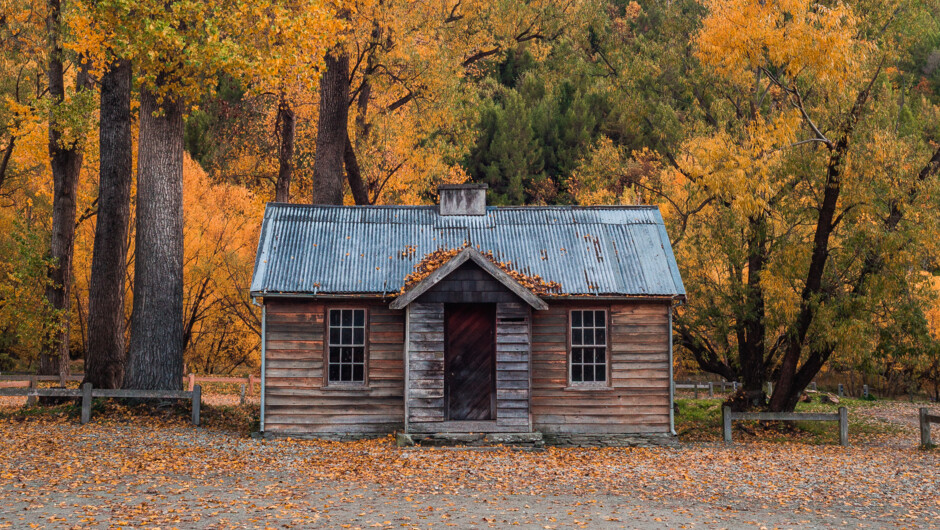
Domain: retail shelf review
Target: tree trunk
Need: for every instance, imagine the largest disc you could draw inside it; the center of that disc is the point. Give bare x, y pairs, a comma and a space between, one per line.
752, 327
5, 160
286, 126
328, 175
66, 163
105, 357
156, 354
358, 187
793, 378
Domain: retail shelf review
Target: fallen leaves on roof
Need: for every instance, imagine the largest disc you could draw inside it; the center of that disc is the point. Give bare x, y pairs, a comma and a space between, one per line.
433, 261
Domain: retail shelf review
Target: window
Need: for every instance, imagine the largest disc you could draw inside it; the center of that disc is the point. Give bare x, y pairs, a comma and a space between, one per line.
588, 346
347, 346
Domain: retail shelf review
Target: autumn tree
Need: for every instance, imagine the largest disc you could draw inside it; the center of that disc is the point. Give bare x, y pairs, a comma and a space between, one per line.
807, 189
105, 357
65, 153
402, 70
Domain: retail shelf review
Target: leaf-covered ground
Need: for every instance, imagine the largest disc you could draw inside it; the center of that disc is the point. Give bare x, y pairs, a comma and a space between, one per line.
155, 470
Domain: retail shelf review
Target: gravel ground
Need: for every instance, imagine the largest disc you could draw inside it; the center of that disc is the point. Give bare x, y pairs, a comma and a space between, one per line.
148, 473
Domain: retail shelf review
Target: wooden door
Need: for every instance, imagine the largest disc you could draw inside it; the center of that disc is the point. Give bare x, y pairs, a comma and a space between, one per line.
469, 361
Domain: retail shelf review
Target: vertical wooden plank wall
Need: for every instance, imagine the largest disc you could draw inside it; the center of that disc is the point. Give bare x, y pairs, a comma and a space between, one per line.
296, 398
512, 366
637, 400
426, 363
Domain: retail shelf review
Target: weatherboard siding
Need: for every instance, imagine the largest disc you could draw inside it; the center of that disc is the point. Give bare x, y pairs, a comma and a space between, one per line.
531, 376
297, 399
637, 398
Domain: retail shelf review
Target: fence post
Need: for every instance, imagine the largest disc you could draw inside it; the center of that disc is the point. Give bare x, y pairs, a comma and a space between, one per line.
813, 386
734, 386
843, 426
841, 390
243, 395
197, 401
251, 384
86, 403
695, 386
924, 428
865, 391
31, 400
726, 423
711, 389
192, 381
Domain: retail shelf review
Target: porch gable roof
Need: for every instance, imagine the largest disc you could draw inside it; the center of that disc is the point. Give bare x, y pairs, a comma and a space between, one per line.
474, 255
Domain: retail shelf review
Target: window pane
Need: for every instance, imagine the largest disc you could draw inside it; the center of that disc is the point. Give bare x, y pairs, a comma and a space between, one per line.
599, 319
576, 337
360, 317
358, 373
588, 318
347, 372
576, 356
600, 337
588, 373
600, 373
334, 372
588, 337
334, 335
359, 336
601, 356
347, 355
358, 355
576, 319
347, 317
334, 317
334, 355
576, 373
347, 336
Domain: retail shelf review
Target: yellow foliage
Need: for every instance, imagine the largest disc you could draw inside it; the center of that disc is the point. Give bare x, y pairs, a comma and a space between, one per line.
800, 37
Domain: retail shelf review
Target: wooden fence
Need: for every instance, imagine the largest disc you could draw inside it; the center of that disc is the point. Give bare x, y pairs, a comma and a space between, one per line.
696, 387
87, 393
190, 380
842, 417
925, 420
249, 381
723, 386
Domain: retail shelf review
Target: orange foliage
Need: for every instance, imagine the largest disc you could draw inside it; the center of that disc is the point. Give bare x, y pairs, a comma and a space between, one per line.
433, 261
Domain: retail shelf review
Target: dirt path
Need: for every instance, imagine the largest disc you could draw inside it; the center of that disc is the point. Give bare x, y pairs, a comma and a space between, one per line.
145, 473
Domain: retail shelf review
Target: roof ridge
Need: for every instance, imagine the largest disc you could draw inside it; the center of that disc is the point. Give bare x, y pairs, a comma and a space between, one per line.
493, 207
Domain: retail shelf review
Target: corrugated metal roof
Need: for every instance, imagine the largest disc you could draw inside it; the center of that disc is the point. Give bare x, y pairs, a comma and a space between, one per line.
371, 249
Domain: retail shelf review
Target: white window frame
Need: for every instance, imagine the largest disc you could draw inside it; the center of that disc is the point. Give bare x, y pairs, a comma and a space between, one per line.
605, 382
364, 344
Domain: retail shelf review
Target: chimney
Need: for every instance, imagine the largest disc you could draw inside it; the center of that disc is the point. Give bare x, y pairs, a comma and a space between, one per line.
462, 199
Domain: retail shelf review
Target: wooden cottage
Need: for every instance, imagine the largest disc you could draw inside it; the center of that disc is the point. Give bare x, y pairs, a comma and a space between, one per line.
350, 350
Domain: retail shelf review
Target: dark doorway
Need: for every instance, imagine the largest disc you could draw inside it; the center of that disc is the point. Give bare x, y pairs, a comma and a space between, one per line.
469, 361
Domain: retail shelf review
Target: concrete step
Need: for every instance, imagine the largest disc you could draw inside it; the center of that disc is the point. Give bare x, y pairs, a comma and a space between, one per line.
521, 439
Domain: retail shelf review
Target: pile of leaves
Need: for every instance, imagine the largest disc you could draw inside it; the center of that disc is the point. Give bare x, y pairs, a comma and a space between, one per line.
433, 261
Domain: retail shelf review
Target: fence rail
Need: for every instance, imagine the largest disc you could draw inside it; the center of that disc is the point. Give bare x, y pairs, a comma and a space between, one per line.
88, 393
74, 377
727, 416
18, 380
925, 420
723, 387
